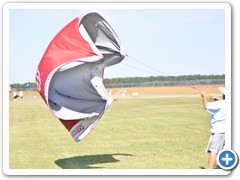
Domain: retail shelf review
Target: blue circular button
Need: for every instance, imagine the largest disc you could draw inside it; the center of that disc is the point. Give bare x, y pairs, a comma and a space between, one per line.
227, 159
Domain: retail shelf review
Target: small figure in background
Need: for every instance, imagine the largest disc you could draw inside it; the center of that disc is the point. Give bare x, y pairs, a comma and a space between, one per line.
21, 96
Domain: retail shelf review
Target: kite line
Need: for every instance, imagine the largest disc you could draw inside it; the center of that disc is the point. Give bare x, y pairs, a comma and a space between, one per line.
143, 70
155, 73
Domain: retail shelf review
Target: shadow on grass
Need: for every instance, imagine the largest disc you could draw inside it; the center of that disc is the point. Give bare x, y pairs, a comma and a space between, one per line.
216, 167
85, 162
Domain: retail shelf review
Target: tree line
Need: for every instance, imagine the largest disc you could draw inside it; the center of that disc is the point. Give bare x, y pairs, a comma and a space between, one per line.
145, 81
27, 86
162, 78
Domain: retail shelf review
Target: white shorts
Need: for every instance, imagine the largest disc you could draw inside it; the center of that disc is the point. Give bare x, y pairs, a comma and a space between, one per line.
216, 143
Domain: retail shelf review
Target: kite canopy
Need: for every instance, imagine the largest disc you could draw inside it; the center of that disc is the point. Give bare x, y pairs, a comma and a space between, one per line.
70, 75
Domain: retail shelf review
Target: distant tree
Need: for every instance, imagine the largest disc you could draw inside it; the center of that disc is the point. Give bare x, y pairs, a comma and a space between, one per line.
28, 86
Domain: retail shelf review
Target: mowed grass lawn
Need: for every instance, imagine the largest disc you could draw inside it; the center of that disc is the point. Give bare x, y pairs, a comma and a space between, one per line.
134, 133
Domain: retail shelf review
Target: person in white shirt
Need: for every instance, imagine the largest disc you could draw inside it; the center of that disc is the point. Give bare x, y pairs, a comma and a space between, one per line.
21, 96
217, 139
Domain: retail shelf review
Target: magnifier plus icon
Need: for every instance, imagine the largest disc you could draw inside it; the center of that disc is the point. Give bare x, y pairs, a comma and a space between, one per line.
227, 159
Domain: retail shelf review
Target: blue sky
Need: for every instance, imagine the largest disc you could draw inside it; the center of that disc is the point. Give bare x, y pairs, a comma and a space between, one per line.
173, 41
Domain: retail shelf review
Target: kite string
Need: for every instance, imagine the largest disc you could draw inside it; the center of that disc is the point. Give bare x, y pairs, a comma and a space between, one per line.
138, 68
146, 65
170, 76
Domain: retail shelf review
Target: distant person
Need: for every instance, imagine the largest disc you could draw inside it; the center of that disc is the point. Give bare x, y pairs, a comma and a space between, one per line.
10, 93
14, 95
21, 96
217, 139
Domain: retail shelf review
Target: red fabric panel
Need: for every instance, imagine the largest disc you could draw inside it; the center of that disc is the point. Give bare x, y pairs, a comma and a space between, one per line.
67, 45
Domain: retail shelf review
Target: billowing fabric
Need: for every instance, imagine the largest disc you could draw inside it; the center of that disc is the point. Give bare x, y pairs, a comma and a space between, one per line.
70, 74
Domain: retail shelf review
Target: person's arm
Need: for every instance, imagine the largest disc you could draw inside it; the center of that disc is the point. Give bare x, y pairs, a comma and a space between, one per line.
205, 100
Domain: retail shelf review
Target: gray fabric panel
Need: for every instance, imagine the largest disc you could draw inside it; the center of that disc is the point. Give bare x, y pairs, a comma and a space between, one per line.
72, 89
75, 82
108, 60
79, 105
93, 24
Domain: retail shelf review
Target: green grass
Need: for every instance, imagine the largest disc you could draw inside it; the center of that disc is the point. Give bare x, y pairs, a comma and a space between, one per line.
161, 133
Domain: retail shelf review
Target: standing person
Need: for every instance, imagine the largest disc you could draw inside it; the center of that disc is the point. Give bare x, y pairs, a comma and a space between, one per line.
14, 95
217, 139
21, 96
10, 93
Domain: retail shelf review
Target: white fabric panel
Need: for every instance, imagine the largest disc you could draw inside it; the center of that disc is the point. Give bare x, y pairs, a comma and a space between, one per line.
83, 128
97, 83
68, 114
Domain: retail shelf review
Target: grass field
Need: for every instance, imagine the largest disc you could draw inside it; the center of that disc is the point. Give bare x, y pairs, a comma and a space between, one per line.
162, 130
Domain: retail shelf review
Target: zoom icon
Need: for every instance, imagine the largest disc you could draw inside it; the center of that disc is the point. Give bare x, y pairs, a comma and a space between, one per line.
227, 159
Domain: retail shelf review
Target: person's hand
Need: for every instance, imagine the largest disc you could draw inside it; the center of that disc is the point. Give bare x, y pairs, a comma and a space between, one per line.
203, 94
